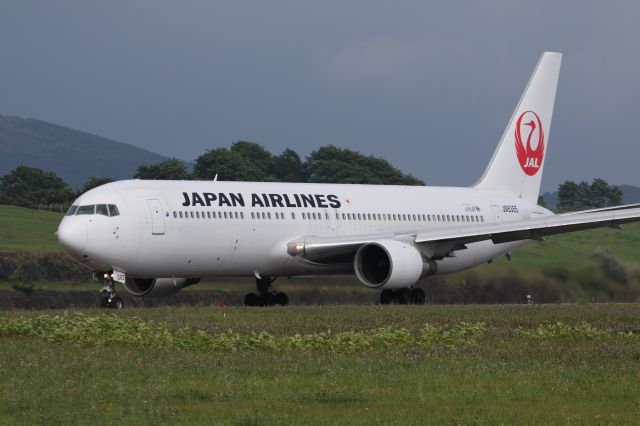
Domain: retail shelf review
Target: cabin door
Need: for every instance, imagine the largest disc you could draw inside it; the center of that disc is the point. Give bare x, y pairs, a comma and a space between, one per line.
157, 216
497, 213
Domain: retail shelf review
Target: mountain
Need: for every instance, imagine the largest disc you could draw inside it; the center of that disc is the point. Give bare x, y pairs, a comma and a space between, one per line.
630, 195
71, 154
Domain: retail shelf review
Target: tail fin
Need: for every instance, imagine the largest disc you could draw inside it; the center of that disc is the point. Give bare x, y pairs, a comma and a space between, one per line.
516, 165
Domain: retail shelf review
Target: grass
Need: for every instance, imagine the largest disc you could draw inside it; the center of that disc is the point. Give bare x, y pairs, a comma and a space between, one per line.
531, 364
28, 230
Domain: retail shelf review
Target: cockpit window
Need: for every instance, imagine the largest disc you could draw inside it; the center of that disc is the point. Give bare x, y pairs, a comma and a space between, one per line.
102, 209
86, 209
113, 210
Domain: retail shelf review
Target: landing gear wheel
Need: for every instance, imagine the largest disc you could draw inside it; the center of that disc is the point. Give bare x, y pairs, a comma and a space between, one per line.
268, 299
417, 296
386, 297
117, 303
403, 296
265, 296
282, 299
251, 299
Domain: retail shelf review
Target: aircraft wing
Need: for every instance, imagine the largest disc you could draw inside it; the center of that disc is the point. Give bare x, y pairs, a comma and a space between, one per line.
438, 244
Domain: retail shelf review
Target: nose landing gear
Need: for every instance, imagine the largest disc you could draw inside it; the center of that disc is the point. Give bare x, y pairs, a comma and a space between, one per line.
109, 297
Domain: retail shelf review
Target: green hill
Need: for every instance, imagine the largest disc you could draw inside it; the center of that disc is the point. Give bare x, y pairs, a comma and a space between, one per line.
28, 230
71, 154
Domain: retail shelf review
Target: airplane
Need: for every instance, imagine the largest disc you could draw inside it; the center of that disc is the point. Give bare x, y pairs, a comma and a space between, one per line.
158, 237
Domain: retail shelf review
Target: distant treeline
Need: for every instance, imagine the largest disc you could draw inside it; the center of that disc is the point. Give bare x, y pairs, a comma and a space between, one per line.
244, 161
247, 161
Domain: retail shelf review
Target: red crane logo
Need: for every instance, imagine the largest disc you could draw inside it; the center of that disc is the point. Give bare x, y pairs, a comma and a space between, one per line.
529, 157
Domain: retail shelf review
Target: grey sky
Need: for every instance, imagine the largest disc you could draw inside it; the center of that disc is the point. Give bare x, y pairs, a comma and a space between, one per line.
429, 86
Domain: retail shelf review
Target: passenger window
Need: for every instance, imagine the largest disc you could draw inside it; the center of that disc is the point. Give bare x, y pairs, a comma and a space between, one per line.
175, 215
180, 213
192, 215
72, 210
293, 215
198, 215
86, 209
236, 215
241, 215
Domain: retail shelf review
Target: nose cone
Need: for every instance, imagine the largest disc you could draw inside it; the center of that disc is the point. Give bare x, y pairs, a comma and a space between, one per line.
72, 236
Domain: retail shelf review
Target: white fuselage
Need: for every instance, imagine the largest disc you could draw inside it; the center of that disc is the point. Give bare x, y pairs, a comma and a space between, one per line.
205, 228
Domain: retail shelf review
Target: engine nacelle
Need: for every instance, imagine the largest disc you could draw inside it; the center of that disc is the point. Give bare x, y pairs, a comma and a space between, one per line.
156, 287
391, 264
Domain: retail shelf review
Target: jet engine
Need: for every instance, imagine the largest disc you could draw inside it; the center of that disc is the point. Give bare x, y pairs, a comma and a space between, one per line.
155, 287
391, 264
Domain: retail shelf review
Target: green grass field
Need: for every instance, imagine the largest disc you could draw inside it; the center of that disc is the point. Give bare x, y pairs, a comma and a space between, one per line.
28, 230
154, 366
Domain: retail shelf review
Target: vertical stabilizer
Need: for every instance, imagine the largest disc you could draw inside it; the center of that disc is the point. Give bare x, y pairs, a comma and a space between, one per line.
516, 165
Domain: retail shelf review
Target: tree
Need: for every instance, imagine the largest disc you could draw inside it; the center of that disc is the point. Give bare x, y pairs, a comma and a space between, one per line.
289, 167
171, 169
94, 182
599, 193
227, 165
331, 164
29, 186
542, 202
605, 195
259, 158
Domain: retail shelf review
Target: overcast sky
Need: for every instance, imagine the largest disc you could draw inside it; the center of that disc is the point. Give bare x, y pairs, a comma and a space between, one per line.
429, 86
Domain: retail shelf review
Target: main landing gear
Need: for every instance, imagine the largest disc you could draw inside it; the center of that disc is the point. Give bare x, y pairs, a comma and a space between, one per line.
109, 297
403, 296
265, 296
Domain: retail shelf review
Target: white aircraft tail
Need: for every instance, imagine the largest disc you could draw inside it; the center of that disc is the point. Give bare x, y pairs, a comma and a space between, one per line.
517, 163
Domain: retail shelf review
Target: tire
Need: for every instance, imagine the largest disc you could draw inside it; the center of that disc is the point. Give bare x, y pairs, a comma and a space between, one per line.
386, 297
417, 296
251, 299
117, 302
267, 299
403, 296
282, 299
